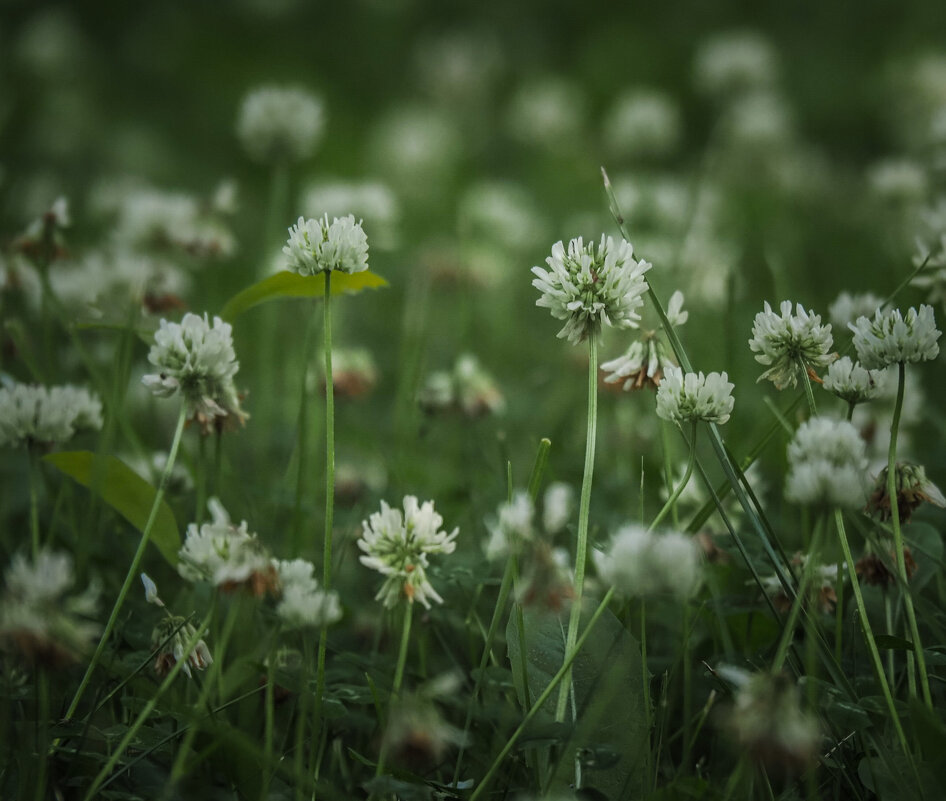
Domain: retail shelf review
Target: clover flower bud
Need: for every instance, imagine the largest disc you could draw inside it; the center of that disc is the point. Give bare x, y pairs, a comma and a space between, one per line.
690, 397
590, 288
790, 343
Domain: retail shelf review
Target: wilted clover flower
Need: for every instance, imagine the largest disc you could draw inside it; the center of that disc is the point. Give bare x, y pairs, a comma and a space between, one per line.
198, 361
913, 488
642, 364
789, 343
280, 124
317, 246
827, 464
31, 414
689, 397
891, 338
822, 578
642, 564
397, 545
354, 372
37, 615
170, 636
511, 527
227, 556
851, 382
301, 602
590, 288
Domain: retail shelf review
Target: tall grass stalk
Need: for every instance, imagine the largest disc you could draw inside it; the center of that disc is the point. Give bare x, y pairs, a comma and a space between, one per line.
135, 563
583, 511
672, 500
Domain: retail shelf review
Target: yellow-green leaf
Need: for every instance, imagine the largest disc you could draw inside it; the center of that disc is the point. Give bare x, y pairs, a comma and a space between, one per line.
293, 285
125, 491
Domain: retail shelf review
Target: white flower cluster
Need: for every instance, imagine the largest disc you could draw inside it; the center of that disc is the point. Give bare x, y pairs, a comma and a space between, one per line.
317, 246
301, 602
372, 201
734, 62
34, 414
847, 308
891, 338
467, 388
643, 564
280, 124
197, 360
591, 288
511, 527
789, 343
827, 464
397, 545
689, 397
851, 382
37, 615
226, 555
557, 506
643, 122
169, 637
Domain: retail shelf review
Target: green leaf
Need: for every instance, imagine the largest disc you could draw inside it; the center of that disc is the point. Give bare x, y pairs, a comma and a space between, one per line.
890, 643
610, 728
293, 285
125, 491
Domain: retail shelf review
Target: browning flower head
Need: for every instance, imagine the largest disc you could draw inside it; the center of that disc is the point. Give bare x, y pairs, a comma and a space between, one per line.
876, 572
171, 636
913, 488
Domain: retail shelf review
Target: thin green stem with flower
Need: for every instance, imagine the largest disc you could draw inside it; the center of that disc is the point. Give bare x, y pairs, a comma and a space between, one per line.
898, 538
683, 482
583, 511
398, 676
135, 563
34, 502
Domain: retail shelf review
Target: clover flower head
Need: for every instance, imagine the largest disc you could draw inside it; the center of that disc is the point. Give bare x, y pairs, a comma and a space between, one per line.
354, 372
557, 506
227, 556
317, 246
643, 122
39, 617
197, 360
851, 382
643, 564
590, 288
31, 414
170, 636
734, 62
468, 389
689, 397
847, 307
827, 464
397, 544
511, 527
372, 201
891, 338
643, 364
280, 123
913, 489
790, 342
301, 603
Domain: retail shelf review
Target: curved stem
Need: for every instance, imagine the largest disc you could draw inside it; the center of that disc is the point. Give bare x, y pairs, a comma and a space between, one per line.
583, 510
135, 564
543, 697
898, 539
683, 482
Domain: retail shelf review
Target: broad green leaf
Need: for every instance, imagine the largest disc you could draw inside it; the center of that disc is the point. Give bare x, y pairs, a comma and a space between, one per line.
125, 491
610, 728
293, 285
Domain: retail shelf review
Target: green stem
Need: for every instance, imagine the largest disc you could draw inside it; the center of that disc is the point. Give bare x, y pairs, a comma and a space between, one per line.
683, 482
583, 510
218, 460
888, 619
201, 477
645, 687
398, 677
146, 711
34, 502
42, 749
302, 438
135, 564
270, 714
543, 697
329, 490
801, 598
809, 394
869, 636
898, 539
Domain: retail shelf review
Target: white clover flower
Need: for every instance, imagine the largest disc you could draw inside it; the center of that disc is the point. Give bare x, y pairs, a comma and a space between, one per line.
760, 120
557, 506
642, 364
198, 361
676, 315
43, 415
280, 124
397, 545
316, 246
897, 181
733, 62
547, 113
847, 308
226, 555
371, 201
301, 602
643, 122
789, 343
500, 213
38, 617
589, 289
151, 590
642, 564
467, 388
169, 637
511, 527
827, 464
851, 382
689, 397
891, 338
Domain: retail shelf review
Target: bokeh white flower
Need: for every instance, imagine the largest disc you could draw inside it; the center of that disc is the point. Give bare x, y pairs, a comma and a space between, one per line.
827, 465
302, 604
32, 414
280, 124
643, 564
